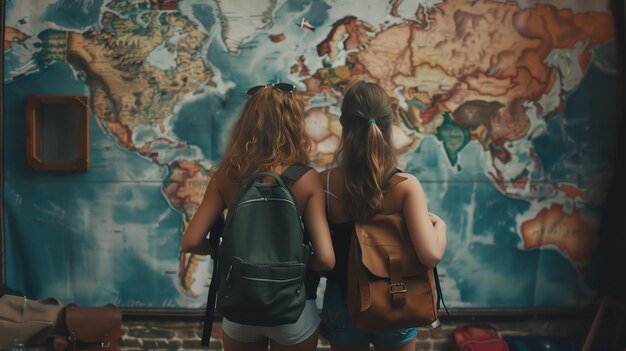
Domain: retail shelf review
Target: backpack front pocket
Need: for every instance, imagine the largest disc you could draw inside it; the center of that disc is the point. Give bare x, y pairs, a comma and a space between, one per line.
264, 295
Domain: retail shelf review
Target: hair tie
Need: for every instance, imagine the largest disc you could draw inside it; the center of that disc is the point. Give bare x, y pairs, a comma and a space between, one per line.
371, 121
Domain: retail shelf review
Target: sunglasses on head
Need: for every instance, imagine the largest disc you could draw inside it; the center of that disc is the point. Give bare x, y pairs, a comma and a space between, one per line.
284, 87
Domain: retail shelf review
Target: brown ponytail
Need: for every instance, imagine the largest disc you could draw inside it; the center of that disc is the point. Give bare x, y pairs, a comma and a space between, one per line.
366, 149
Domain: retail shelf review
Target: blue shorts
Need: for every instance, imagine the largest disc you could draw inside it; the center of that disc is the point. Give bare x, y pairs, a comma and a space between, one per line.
337, 328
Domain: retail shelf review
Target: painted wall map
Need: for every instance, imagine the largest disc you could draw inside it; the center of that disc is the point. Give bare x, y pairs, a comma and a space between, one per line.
505, 112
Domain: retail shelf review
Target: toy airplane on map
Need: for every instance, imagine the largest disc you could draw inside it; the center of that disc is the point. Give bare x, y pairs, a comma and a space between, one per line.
306, 25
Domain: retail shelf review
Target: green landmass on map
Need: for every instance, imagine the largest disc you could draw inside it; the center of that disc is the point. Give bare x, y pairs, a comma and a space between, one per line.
453, 137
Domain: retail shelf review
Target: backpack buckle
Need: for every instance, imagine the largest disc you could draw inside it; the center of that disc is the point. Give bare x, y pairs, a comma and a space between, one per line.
105, 344
401, 286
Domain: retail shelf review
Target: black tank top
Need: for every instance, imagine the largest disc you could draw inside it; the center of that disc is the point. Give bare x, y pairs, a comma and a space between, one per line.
341, 234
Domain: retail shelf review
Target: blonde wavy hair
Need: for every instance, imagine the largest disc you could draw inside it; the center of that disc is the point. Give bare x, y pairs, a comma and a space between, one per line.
366, 147
270, 132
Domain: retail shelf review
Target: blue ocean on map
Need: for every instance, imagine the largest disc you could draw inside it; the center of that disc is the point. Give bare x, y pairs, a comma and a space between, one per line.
73, 14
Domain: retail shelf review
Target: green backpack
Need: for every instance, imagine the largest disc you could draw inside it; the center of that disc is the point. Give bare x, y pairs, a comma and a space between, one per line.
262, 259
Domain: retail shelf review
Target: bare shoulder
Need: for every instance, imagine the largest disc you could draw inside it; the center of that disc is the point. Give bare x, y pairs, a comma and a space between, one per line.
323, 173
217, 177
409, 184
221, 179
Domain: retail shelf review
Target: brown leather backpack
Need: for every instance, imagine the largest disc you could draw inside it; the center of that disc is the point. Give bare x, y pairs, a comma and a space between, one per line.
89, 329
388, 286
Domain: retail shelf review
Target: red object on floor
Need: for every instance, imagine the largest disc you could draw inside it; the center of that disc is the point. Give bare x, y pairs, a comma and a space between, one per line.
478, 338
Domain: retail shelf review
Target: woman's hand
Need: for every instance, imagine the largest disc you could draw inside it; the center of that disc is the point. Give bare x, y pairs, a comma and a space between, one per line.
434, 218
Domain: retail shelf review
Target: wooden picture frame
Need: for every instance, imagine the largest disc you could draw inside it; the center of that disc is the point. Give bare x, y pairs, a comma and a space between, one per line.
57, 137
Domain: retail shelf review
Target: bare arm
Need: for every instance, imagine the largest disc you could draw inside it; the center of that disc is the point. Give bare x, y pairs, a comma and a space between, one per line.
323, 258
428, 235
440, 228
194, 239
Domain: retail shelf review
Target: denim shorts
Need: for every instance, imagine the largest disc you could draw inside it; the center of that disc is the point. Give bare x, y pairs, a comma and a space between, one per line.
337, 328
286, 334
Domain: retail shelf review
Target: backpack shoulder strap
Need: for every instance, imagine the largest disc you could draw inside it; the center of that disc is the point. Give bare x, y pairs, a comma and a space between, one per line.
293, 173
214, 240
395, 171
393, 180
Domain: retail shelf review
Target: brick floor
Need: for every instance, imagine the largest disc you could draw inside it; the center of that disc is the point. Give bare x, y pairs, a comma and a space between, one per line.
185, 334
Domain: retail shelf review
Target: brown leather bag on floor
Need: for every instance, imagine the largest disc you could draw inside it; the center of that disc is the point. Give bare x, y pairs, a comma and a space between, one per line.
90, 328
388, 286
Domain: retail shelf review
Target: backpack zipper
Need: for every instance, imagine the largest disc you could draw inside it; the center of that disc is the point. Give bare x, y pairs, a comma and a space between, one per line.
230, 268
269, 280
264, 199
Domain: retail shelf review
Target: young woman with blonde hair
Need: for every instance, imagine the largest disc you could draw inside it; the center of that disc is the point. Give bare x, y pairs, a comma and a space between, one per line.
269, 136
356, 190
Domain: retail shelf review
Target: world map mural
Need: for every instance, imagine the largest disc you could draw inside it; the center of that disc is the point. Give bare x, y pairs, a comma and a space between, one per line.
504, 111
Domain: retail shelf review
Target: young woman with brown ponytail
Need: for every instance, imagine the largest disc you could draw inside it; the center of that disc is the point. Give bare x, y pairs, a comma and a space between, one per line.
356, 190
